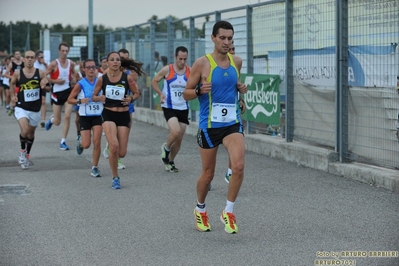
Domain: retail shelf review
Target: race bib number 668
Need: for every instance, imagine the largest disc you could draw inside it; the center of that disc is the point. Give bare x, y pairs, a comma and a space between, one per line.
31, 95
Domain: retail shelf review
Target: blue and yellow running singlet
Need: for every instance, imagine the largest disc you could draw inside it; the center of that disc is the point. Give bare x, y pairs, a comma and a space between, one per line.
220, 107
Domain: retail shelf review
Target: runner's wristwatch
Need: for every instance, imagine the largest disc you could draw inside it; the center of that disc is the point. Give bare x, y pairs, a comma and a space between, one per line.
198, 90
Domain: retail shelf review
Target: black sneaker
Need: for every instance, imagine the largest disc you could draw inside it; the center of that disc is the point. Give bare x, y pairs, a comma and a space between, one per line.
171, 167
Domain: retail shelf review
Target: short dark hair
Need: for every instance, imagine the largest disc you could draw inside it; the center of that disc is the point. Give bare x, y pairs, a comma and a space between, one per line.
222, 24
180, 49
63, 44
38, 52
123, 50
88, 60
156, 54
164, 60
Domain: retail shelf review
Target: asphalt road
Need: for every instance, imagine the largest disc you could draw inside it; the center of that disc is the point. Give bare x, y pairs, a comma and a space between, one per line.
55, 213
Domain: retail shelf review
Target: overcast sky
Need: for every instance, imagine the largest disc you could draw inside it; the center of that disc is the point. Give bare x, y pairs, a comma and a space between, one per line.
119, 13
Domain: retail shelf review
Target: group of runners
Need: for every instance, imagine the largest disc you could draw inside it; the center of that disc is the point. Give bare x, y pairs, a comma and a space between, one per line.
103, 99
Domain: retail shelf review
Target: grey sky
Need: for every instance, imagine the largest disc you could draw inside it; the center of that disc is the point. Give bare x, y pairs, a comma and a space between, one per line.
121, 13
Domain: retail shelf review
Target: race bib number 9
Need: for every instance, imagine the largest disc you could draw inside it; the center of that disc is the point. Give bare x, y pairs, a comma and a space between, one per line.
223, 112
32, 95
114, 92
93, 109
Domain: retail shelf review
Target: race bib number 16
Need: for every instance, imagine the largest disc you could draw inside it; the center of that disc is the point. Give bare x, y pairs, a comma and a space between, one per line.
114, 92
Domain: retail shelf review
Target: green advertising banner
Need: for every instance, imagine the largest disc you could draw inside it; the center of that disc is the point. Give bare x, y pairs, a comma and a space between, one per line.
194, 104
262, 100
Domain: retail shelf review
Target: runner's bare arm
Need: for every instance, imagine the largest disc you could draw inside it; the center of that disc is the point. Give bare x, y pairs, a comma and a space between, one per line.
13, 84
97, 90
133, 87
44, 83
197, 83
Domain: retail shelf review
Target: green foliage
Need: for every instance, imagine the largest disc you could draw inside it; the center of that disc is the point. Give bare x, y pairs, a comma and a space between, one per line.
22, 29
26, 35
161, 26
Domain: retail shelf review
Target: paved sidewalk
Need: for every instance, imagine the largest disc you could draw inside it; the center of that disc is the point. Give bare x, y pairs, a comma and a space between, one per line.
55, 213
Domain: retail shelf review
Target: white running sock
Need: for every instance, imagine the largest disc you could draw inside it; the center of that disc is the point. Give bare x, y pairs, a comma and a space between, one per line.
62, 140
200, 207
229, 171
229, 206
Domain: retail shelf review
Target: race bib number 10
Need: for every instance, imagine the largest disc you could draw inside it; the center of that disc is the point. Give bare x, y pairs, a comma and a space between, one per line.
177, 93
114, 92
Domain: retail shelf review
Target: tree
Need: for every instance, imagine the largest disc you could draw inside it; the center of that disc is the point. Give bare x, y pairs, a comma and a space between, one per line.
22, 30
20, 34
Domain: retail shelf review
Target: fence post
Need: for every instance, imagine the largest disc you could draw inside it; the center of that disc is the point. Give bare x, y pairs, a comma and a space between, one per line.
152, 70
342, 88
250, 53
289, 75
137, 41
170, 40
123, 38
191, 55
90, 32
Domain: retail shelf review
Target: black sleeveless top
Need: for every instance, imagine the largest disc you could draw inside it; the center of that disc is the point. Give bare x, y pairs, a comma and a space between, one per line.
115, 91
15, 67
29, 94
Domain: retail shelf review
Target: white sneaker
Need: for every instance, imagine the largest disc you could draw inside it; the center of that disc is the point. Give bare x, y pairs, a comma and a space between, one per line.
22, 157
25, 164
106, 153
120, 164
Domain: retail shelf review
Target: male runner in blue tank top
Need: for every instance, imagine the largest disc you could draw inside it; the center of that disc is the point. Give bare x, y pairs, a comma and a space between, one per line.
214, 79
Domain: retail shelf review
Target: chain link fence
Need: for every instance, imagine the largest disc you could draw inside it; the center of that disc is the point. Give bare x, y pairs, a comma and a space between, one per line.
335, 62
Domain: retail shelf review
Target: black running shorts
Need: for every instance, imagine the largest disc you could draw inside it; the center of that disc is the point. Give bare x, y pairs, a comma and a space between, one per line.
209, 138
181, 115
121, 119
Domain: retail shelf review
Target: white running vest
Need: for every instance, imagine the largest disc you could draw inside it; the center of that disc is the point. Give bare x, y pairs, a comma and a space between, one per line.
63, 73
